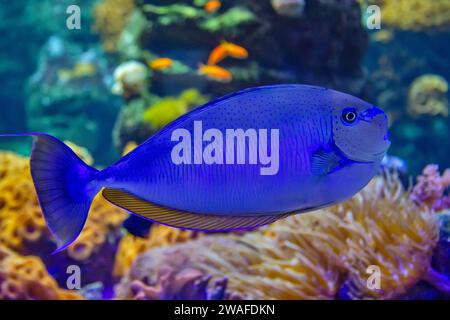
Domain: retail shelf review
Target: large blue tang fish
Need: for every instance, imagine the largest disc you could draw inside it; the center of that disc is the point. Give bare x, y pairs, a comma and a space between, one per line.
329, 145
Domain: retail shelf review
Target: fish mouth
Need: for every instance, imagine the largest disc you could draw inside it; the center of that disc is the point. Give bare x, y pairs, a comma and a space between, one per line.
380, 154
371, 155
365, 158
380, 133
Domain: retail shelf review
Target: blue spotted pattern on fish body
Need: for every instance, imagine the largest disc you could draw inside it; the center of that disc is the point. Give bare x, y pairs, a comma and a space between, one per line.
330, 146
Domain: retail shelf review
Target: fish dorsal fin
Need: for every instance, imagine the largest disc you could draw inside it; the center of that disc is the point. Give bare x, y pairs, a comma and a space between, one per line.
217, 102
183, 219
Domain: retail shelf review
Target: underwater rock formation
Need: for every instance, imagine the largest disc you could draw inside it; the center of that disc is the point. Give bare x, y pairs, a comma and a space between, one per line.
130, 125
68, 93
170, 272
182, 283
23, 229
26, 278
281, 49
159, 236
428, 95
24, 32
311, 256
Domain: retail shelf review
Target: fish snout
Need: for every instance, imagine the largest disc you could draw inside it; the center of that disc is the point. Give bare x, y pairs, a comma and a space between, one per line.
380, 125
371, 113
377, 118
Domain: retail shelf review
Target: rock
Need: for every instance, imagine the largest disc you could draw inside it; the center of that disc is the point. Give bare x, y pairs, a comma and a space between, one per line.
68, 96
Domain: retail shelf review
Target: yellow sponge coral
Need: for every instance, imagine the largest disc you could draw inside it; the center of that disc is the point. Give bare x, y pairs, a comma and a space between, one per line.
414, 15
111, 17
17, 195
164, 111
428, 95
169, 108
24, 277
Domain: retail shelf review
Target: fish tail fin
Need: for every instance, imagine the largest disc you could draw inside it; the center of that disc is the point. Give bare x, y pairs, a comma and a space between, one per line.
65, 186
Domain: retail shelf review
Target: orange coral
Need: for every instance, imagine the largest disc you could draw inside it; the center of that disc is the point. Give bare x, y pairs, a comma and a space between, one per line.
21, 219
24, 277
111, 17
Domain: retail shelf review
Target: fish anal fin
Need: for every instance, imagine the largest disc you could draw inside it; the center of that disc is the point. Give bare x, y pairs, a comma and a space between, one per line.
183, 219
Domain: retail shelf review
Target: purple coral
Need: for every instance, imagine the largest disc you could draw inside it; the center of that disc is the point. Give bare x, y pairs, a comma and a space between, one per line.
170, 274
431, 188
187, 284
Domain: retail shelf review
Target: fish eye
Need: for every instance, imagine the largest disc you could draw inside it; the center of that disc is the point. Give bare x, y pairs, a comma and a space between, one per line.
349, 116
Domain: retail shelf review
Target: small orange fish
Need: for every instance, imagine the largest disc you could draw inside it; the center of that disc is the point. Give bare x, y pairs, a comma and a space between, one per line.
215, 73
235, 51
217, 54
161, 63
226, 49
212, 6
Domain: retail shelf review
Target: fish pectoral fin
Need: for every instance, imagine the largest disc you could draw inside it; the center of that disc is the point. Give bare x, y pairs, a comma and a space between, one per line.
183, 219
325, 161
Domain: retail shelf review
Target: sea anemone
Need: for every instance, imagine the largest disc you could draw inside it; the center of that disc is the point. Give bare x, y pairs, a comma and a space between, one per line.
314, 255
130, 78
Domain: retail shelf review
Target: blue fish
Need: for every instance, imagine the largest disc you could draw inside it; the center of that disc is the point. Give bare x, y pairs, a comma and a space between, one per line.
137, 226
238, 162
